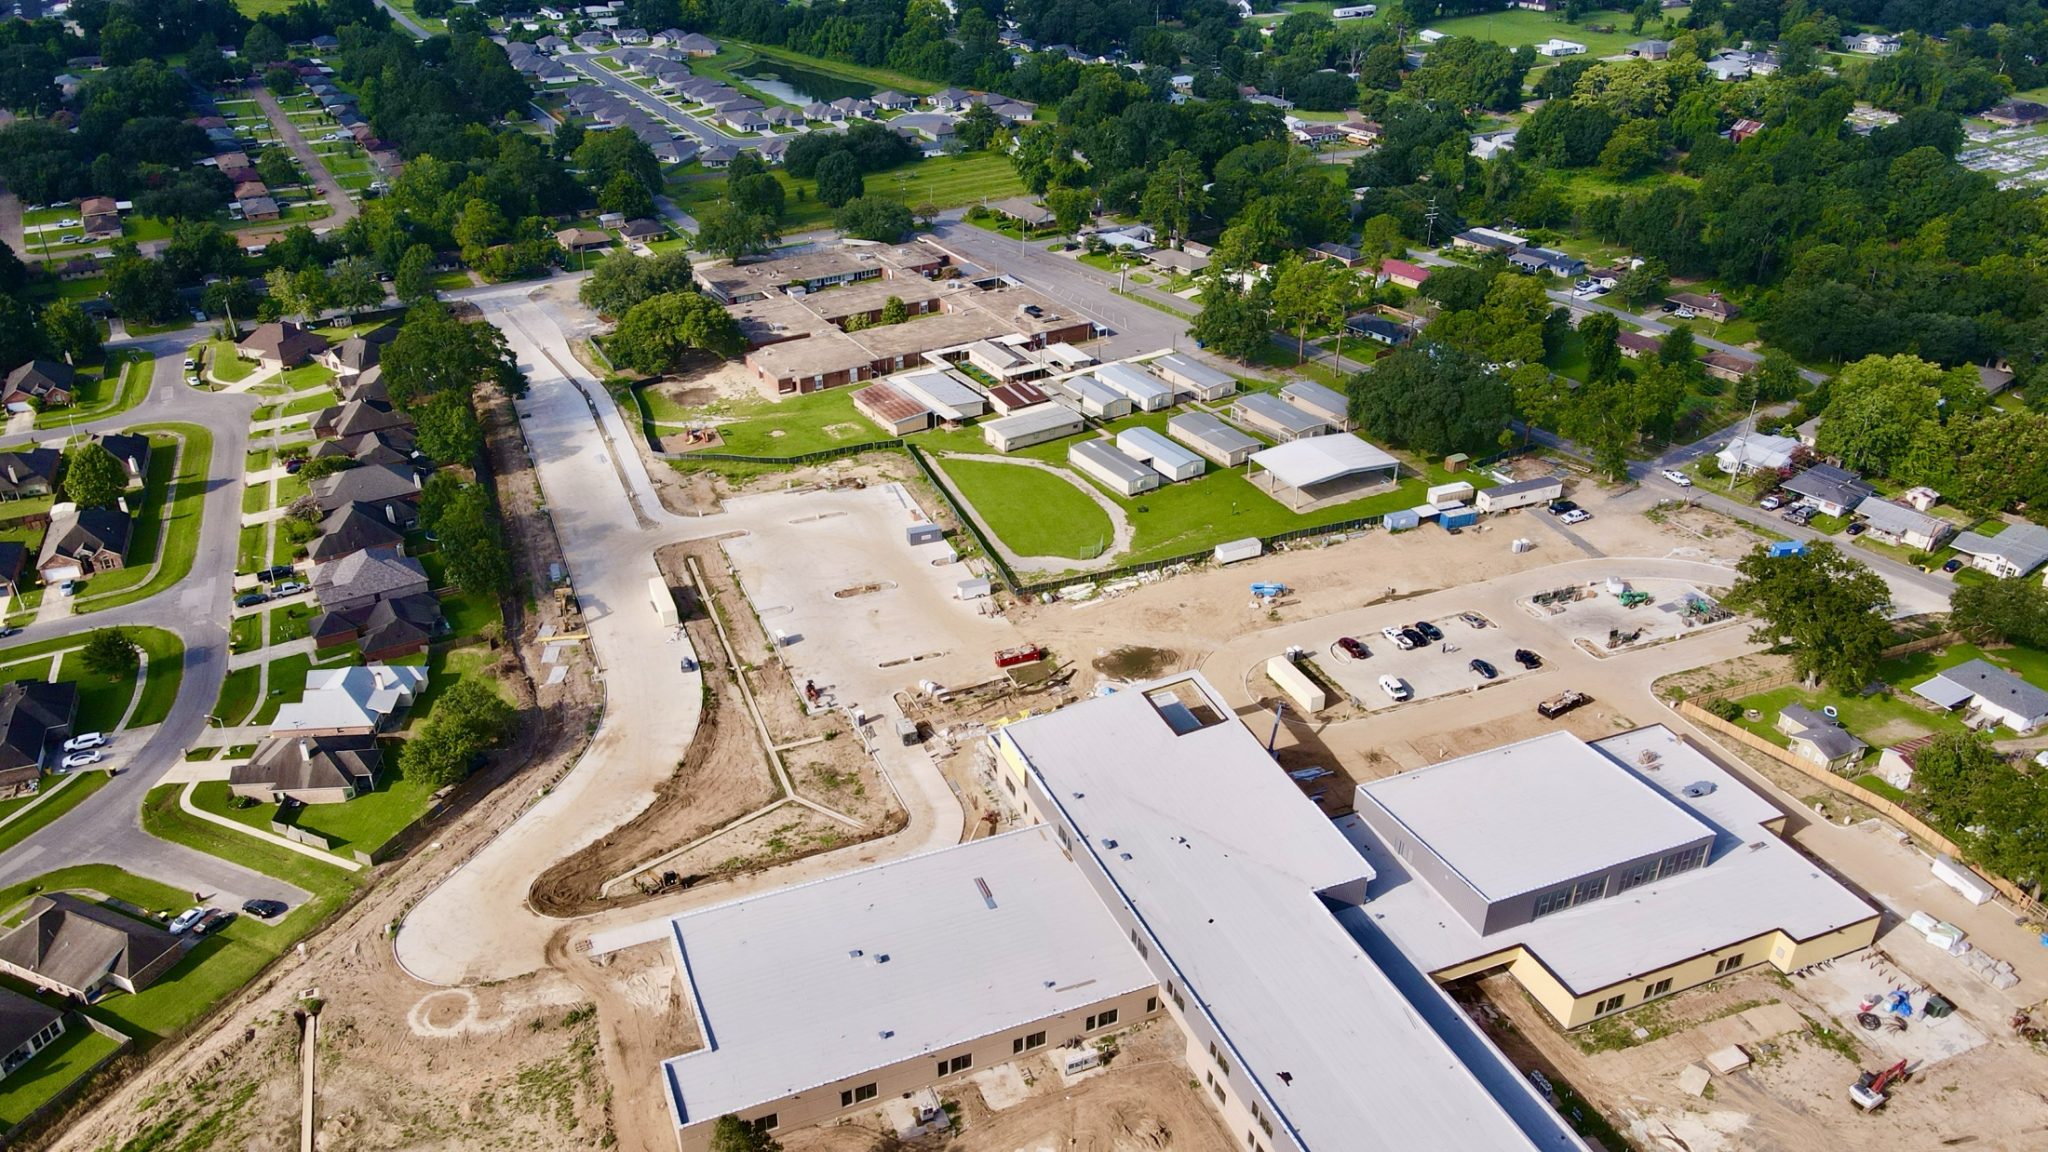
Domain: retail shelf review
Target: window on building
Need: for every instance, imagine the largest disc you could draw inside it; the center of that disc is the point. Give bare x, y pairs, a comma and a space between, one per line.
1727, 963
1151, 1005
1556, 901
1684, 861
1657, 989
1217, 1055
957, 1064
1221, 1099
1010, 784
1065, 841
1144, 953
1589, 890
769, 1123
1027, 1043
848, 1097
1611, 1004
1640, 874
1102, 1019
1178, 1001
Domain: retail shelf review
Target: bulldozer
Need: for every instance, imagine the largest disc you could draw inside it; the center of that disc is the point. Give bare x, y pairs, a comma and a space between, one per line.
1869, 1089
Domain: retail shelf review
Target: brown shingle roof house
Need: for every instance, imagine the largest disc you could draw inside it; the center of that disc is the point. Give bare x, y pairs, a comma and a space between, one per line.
29, 472
78, 949
95, 540
50, 381
360, 579
281, 344
393, 490
27, 1026
357, 417
309, 769
32, 714
350, 529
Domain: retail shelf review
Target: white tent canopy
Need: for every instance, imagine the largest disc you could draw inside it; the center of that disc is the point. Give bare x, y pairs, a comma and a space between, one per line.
1321, 459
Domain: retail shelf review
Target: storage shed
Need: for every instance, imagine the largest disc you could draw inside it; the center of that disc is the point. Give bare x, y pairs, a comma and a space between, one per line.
1191, 377
1114, 470
1212, 438
1519, 494
1325, 404
1268, 414
1401, 520
1170, 460
1094, 398
1146, 392
895, 412
924, 533
1444, 493
1031, 426
1231, 551
944, 390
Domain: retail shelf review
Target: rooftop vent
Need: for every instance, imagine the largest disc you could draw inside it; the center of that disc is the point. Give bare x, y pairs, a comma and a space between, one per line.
1699, 788
987, 897
855, 954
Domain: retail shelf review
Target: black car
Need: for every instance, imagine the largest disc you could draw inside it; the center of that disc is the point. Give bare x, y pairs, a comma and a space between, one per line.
292, 466
1415, 639
1430, 630
1485, 670
251, 599
6, 632
1952, 566
265, 909
1858, 528
1560, 507
1353, 648
214, 920
1528, 659
273, 574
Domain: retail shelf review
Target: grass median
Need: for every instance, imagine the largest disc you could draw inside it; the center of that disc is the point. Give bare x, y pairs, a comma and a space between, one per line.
59, 795
168, 531
102, 701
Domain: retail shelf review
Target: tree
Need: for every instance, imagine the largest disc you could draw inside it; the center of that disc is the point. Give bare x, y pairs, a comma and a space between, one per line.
140, 288
624, 280
72, 332
732, 1134
1877, 410
1828, 610
1599, 331
1235, 321
353, 285
263, 45
2014, 611
1777, 377
978, 128
467, 719
110, 652
460, 514
434, 353
657, 333
276, 168
414, 280
626, 196
446, 429
894, 310
723, 230
320, 466
1174, 195
1301, 293
1070, 207
93, 477
304, 294
1381, 237
1636, 147
839, 179
1435, 400
874, 218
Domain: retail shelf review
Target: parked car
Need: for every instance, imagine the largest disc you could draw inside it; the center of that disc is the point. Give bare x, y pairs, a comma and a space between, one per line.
82, 760
191, 364
1528, 659
1352, 648
1576, 516
276, 572
1398, 637
67, 588
265, 909
214, 920
1953, 565
1415, 639
251, 599
292, 466
187, 919
6, 632
288, 588
1396, 687
1858, 528
86, 740
1678, 478
1486, 671
1668, 307
71, 238
1560, 507
1474, 619
1429, 630
1770, 503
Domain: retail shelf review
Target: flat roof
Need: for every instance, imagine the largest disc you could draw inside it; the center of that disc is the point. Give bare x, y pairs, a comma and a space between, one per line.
1223, 860
1321, 459
812, 984
1089, 388
1280, 413
1103, 456
1534, 814
1753, 882
1193, 369
1517, 487
940, 387
1212, 431
1041, 418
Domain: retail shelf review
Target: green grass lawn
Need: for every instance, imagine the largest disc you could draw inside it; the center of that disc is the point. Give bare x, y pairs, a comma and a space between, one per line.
287, 686
1886, 719
61, 797
1030, 510
292, 622
245, 633
237, 695
103, 701
793, 425
98, 398
172, 526
365, 823
223, 364
1518, 27
53, 1069
249, 550
943, 181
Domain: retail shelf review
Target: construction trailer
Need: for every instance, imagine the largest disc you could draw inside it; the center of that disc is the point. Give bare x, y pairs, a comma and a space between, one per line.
1305, 693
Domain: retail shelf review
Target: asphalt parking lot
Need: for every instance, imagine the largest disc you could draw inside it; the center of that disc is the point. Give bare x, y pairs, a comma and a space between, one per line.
1437, 669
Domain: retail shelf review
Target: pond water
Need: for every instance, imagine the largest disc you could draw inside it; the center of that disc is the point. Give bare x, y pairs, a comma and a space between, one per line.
800, 86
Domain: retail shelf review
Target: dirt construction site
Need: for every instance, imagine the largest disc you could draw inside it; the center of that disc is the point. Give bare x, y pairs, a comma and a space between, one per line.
778, 786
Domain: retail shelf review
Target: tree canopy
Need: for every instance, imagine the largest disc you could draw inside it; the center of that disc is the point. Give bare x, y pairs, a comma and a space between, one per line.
1828, 610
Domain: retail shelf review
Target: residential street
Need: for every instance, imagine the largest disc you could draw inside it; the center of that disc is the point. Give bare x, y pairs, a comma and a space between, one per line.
343, 208
703, 131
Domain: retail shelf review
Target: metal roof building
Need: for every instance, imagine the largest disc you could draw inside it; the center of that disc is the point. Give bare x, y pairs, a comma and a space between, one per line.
1116, 471
1031, 426
1167, 458
827, 995
1326, 404
1322, 460
1194, 377
1323, 1036
1275, 417
1145, 391
945, 391
1212, 438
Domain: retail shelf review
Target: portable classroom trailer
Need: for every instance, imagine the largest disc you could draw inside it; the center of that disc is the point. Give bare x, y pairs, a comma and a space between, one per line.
1032, 426
1116, 471
1146, 392
1212, 438
1167, 458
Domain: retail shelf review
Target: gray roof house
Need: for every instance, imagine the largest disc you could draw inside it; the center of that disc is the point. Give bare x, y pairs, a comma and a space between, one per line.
1992, 696
32, 714
1835, 491
2018, 550
351, 529
360, 579
1818, 737
309, 769
79, 949
393, 490
27, 1026
1898, 524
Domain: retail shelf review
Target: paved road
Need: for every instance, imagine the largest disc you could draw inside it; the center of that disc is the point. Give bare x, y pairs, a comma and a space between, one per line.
1134, 327
344, 209
404, 21
107, 828
702, 130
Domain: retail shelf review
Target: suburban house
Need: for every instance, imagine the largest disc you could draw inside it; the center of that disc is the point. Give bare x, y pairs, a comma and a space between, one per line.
362, 578
1726, 366
281, 344
358, 418
1988, 695
27, 1026
131, 449
94, 540
1898, 524
29, 472
392, 490
1534, 260
1484, 240
1650, 49
2017, 551
1378, 328
13, 558
1024, 211
352, 528
360, 700
1554, 47
1831, 490
389, 629
75, 948
33, 714
1756, 452
1819, 738
1409, 276
47, 382
1871, 43
309, 769
1713, 307
1636, 345
356, 354
583, 239
2015, 113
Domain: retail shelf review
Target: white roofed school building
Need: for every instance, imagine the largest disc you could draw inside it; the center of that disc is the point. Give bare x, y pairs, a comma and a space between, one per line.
1599, 875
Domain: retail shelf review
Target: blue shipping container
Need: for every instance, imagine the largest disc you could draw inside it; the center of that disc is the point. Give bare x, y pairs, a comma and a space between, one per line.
1463, 518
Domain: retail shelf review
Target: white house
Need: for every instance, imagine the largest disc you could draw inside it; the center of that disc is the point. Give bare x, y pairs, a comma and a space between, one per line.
1989, 694
2017, 551
1556, 47
1755, 452
1871, 44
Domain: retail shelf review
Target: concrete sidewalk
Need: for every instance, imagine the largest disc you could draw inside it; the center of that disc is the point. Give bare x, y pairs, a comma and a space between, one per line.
185, 802
303, 646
